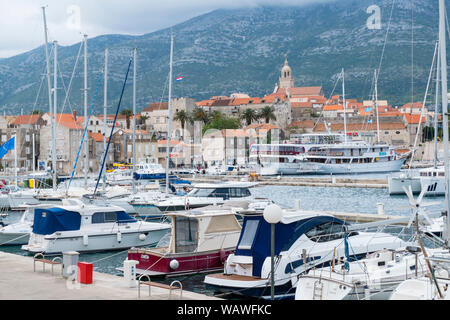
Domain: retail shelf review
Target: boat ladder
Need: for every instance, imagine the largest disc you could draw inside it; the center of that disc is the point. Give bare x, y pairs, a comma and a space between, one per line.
318, 290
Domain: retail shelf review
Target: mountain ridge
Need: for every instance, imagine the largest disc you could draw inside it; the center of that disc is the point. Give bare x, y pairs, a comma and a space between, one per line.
242, 50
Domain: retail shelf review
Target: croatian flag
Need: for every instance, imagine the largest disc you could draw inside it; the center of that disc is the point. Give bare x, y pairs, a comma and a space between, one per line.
179, 78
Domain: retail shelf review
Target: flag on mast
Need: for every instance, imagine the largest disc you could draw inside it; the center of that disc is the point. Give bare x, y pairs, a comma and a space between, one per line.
179, 78
8, 145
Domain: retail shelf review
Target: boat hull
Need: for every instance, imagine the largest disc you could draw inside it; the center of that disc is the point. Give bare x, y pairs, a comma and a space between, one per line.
374, 167
396, 184
94, 243
154, 263
13, 239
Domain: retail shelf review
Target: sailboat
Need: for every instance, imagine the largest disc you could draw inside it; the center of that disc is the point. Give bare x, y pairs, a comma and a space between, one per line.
426, 178
434, 286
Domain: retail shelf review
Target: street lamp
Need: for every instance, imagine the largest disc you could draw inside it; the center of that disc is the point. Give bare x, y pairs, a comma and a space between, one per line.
272, 214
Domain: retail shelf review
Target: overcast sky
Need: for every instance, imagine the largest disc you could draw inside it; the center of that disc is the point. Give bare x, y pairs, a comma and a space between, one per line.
21, 21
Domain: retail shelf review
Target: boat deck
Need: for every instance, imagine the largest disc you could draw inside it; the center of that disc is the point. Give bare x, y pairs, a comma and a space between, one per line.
234, 277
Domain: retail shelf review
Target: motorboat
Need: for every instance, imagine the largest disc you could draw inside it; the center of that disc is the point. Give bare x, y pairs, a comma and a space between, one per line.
199, 242
396, 182
372, 278
204, 194
149, 171
351, 157
75, 226
433, 181
303, 240
19, 232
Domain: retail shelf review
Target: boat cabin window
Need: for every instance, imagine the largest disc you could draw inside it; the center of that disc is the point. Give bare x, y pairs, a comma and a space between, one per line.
185, 234
200, 192
251, 226
327, 231
107, 217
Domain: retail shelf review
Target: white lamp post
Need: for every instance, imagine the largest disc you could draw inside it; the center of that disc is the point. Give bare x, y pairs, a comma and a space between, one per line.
272, 214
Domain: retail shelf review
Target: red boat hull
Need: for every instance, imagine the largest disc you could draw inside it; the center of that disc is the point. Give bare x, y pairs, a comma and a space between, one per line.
154, 263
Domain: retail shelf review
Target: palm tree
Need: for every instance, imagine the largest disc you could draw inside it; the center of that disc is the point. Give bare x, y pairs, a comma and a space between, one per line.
249, 115
183, 117
267, 113
128, 113
200, 115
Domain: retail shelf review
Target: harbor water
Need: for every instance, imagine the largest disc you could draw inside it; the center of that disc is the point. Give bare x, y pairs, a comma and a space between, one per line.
354, 200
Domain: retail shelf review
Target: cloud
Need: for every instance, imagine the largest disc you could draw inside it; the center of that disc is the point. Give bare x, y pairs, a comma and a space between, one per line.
67, 20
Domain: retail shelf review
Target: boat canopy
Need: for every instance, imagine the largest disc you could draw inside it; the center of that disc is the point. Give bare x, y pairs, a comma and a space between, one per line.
255, 236
50, 220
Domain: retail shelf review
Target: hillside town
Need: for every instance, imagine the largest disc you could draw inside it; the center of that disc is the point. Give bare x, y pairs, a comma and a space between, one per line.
285, 113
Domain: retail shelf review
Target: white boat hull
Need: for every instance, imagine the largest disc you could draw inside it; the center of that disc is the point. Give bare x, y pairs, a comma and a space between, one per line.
96, 242
434, 186
351, 168
396, 184
12, 239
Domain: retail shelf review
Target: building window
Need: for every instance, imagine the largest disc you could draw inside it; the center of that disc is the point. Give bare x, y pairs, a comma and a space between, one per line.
397, 132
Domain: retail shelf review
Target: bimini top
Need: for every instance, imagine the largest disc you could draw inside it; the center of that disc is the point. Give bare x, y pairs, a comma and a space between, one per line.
254, 240
53, 219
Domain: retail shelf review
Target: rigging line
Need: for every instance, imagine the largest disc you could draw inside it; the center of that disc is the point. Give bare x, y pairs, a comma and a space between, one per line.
326, 102
42, 80
71, 78
424, 101
114, 125
85, 129
385, 39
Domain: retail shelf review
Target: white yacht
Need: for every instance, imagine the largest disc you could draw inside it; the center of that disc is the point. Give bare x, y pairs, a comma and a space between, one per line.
202, 194
372, 278
76, 226
396, 182
19, 232
303, 240
433, 181
284, 158
352, 157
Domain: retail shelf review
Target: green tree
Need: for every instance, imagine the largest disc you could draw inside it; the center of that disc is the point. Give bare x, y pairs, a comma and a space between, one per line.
128, 113
267, 113
36, 112
200, 115
249, 115
219, 121
183, 117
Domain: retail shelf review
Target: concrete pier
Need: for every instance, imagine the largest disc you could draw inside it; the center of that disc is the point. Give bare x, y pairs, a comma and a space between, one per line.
19, 282
326, 181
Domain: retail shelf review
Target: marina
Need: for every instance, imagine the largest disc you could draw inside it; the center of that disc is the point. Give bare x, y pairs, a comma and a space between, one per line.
237, 190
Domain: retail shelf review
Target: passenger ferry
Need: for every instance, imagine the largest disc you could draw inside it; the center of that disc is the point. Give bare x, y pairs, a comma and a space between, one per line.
285, 158
352, 157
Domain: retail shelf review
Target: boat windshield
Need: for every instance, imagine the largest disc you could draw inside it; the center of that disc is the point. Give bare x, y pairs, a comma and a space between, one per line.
196, 192
248, 234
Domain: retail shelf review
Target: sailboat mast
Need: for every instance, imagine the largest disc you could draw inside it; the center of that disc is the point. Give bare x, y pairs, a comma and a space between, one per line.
436, 109
376, 105
53, 117
105, 105
86, 153
133, 160
444, 94
344, 105
169, 115
49, 85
